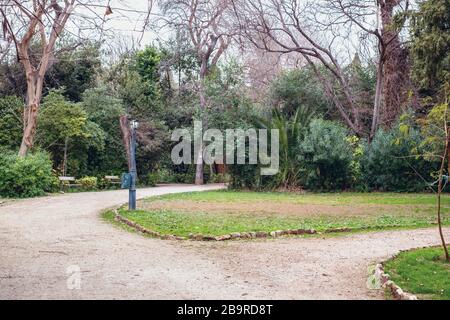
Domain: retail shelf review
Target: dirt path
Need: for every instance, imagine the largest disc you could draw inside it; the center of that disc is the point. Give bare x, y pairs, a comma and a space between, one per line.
41, 238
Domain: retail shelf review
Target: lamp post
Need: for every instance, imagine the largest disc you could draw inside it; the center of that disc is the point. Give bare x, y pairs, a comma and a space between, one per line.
133, 172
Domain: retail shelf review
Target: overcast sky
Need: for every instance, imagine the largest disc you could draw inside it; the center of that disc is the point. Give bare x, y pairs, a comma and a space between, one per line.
128, 20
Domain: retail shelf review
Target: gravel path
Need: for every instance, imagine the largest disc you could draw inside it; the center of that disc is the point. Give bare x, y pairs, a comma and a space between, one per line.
41, 238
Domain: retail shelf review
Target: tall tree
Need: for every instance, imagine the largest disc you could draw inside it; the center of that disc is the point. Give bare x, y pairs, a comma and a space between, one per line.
397, 84
41, 22
430, 46
40, 19
318, 33
210, 35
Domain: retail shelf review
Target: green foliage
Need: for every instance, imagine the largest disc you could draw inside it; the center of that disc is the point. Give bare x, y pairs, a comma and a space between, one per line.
61, 125
60, 120
11, 127
88, 183
327, 156
26, 177
152, 179
291, 132
433, 130
75, 71
430, 45
74, 68
245, 177
147, 64
393, 162
299, 89
105, 110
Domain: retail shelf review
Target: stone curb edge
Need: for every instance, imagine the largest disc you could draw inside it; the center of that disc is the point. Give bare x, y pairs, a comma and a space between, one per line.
386, 283
232, 236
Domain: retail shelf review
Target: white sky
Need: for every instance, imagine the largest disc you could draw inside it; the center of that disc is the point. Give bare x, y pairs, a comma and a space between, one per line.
127, 20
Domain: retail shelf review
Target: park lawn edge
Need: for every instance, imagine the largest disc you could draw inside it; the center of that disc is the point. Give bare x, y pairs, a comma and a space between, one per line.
405, 275
110, 217
167, 221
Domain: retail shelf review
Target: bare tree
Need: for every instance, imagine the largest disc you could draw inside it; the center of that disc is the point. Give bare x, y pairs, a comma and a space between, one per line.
209, 33
375, 19
284, 26
280, 26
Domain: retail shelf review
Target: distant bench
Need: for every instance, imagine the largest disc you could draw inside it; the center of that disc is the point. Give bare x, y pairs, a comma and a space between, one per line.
69, 182
115, 180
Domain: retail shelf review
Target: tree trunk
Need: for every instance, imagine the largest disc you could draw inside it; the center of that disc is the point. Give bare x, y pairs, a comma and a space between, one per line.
199, 176
34, 94
29, 130
378, 96
66, 146
397, 82
126, 138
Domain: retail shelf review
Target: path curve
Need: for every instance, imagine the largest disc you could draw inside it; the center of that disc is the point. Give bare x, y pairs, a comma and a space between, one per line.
41, 238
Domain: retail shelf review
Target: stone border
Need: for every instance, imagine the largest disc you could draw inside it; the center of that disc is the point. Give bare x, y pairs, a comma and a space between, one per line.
137, 227
237, 235
386, 283
200, 237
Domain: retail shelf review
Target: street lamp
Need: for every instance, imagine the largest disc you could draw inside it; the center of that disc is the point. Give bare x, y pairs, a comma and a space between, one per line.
134, 125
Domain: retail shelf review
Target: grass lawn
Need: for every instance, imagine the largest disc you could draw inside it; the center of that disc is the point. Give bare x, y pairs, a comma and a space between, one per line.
218, 213
422, 272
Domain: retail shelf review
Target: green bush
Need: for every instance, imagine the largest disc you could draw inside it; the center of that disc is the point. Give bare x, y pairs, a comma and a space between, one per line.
88, 183
220, 178
31, 176
327, 155
152, 179
390, 164
245, 177
166, 176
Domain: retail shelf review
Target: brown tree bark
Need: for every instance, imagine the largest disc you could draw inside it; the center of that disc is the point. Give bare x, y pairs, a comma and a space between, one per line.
126, 138
199, 177
397, 82
34, 94
378, 97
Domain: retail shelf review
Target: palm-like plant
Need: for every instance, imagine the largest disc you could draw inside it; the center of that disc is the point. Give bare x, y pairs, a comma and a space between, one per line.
292, 131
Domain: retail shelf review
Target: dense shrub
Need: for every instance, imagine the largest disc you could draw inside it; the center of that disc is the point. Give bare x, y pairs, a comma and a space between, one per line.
326, 154
390, 164
150, 180
88, 183
244, 177
26, 177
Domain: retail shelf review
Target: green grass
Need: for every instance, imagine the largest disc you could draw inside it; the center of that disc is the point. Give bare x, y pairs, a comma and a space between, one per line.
183, 224
422, 272
420, 213
320, 198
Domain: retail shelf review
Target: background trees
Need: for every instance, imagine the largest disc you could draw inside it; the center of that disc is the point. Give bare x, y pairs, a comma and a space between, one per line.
44, 20
210, 35
350, 67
